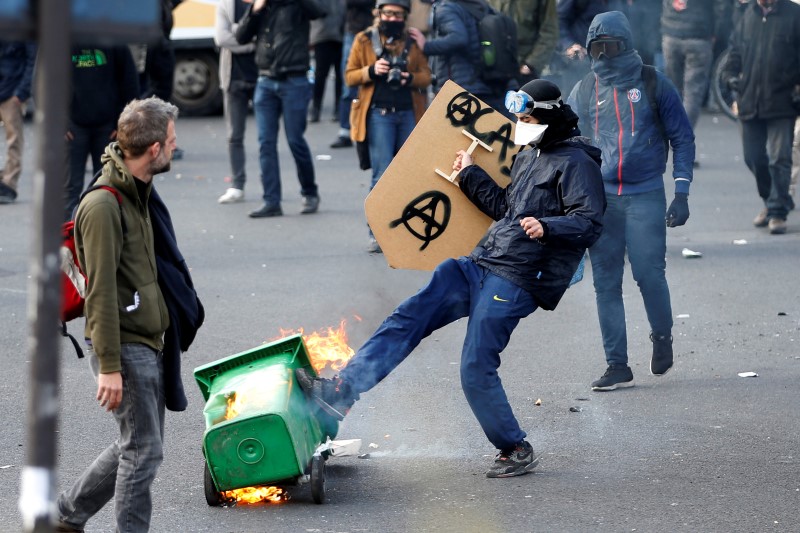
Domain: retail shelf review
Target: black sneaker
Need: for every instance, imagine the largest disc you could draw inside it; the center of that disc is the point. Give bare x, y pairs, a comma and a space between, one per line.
7, 194
516, 462
616, 376
310, 205
662, 358
333, 395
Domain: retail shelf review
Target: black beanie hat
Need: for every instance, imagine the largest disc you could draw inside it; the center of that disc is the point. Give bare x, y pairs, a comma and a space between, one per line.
562, 121
544, 91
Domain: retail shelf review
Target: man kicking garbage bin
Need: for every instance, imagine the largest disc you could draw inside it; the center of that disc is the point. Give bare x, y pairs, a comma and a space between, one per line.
545, 220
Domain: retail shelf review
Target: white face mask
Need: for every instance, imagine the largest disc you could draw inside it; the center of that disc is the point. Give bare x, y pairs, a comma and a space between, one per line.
526, 133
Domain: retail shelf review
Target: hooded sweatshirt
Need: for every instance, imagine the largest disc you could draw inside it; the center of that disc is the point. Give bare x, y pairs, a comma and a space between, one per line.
621, 122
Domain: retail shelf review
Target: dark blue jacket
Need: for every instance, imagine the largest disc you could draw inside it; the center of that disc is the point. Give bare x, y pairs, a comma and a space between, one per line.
186, 313
562, 187
16, 69
620, 121
454, 50
574, 18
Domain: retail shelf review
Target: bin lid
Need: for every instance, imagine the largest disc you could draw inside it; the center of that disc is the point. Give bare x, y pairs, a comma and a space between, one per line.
288, 350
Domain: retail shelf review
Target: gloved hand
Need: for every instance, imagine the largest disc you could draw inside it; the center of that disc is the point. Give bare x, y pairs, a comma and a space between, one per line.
734, 84
678, 212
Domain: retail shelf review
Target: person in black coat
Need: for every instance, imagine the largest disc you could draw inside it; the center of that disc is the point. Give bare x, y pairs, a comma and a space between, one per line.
764, 69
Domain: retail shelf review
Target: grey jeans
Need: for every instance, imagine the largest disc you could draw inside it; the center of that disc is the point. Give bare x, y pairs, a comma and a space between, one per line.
126, 469
687, 62
236, 104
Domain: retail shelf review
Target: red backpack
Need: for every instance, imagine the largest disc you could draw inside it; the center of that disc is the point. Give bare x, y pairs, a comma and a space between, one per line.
73, 279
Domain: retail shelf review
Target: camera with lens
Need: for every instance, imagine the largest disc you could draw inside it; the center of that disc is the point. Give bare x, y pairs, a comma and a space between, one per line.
397, 65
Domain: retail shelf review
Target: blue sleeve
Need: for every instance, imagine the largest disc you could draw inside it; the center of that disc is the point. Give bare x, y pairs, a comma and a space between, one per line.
483, 191
23, 91
679, 132
580, 190
566, 16
450, 26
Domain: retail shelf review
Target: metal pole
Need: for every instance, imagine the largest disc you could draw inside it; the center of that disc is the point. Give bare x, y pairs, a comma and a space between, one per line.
37, 499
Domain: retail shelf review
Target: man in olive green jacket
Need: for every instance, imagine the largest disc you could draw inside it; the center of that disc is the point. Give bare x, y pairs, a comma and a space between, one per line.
537, 33
126, 317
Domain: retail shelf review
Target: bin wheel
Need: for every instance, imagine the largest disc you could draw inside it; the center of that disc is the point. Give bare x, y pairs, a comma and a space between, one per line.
318, 479
213, 497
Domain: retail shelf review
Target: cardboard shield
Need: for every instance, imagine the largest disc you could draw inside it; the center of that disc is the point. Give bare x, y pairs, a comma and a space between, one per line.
418, 215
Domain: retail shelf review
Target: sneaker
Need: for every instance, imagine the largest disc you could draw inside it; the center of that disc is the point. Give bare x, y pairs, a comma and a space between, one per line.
266, 210
374, 247
761, 219
310, 205
342, 142
333, 395
232, 196
777, 226
64, 527
516, 462
662, 358
615, 376
7, 194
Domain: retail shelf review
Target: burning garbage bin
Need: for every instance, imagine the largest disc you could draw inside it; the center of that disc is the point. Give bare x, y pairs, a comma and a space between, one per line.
260, 427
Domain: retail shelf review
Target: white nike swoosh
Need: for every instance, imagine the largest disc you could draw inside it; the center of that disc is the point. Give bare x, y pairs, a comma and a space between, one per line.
601, 102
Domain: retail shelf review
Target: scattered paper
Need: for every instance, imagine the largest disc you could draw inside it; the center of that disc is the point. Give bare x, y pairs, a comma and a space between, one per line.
538, 402
373, 445
324, 157
739, 242
690, 254
364, 456
5, 466
748, 375
685, 315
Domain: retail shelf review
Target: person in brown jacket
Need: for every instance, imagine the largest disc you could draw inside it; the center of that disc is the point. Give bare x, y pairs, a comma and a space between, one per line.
391, 74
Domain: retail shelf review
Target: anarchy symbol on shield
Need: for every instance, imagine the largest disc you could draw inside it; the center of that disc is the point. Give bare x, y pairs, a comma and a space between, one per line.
426, 208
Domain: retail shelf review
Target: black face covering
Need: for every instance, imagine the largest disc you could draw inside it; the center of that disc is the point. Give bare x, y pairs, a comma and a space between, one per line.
392, 28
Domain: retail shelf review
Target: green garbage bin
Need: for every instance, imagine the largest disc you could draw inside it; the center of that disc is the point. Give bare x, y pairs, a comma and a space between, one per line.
260, 427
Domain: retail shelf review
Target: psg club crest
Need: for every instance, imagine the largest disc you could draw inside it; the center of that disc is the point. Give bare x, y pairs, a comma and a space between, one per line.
634, 95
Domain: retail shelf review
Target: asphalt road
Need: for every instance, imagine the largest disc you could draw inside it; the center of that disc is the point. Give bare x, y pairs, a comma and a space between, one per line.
700, 449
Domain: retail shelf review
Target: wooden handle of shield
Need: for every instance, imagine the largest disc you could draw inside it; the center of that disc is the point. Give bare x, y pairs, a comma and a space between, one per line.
475, 143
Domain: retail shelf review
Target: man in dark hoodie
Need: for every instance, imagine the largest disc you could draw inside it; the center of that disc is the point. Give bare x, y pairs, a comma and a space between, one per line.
104, 80
632, 128
544, 221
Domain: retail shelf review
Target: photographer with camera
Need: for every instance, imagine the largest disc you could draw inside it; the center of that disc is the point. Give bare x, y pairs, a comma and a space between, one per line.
391, 74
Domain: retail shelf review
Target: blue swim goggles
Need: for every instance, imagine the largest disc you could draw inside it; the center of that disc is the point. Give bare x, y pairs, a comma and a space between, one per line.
522, 102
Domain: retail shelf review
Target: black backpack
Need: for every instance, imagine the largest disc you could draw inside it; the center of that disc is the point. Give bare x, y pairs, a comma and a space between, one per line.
651, 86
498, 39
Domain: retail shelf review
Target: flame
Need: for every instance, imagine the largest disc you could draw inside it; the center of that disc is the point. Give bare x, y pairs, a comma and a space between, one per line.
326, 349
255, 495
235, 403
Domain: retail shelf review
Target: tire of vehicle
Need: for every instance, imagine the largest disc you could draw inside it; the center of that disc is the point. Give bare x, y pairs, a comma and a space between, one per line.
213, 497
196, 89
318, 479
723, 96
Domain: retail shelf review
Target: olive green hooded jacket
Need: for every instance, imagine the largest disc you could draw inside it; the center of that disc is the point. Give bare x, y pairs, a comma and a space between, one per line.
537, 29
123, 301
